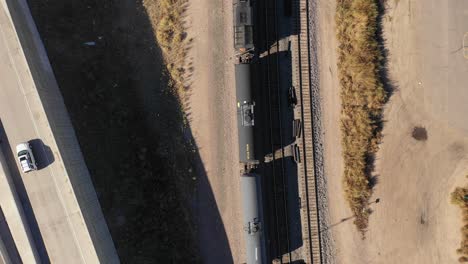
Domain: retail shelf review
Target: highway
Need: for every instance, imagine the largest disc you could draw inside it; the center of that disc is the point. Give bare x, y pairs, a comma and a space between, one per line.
56, 220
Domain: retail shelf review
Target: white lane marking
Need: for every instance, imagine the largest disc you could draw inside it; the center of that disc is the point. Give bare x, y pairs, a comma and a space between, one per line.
39, 135
256, 254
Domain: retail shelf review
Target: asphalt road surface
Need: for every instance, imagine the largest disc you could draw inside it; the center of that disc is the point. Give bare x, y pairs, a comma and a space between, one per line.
48, 190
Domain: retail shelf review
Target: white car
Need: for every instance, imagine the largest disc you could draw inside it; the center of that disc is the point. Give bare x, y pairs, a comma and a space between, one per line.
26, 157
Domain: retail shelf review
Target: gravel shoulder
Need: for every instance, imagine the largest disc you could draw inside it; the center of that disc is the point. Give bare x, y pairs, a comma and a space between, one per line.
338, 228
212, 118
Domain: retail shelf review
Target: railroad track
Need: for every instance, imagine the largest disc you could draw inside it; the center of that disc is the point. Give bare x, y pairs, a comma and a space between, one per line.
280, 246
274, 104
312, 252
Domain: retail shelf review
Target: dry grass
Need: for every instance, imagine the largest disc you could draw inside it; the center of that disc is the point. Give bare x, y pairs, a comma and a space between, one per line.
166, 18
458, 198
363, 97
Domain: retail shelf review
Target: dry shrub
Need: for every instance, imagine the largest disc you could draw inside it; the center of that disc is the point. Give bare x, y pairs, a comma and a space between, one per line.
419, 133
166, 18
458, 198
363, 97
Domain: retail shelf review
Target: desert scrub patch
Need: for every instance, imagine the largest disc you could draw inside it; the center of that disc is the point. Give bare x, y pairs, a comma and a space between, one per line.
363, 96
459, 197
419, 133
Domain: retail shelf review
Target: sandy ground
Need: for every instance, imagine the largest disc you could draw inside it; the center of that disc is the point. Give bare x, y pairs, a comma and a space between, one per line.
413, 222
330, 113
212, 115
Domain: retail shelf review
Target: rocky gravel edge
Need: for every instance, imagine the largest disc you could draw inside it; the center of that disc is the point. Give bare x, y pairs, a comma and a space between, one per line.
327, 243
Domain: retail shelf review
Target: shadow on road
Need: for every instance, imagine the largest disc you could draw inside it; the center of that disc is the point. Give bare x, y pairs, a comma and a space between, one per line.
16, 175
7, 239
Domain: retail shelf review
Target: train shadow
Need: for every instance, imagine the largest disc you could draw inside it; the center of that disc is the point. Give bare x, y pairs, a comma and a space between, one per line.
275, 128
283, 230
276, 98
285, 26
131, 128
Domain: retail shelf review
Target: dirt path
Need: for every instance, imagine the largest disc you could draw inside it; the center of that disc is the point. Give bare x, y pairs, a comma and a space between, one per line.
213, 122
413, 221
330, 104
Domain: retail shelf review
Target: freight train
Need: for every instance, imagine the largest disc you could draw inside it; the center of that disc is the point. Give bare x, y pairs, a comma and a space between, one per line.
253, 223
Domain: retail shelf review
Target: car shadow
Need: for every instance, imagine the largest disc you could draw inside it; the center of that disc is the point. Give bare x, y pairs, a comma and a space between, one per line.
42, 153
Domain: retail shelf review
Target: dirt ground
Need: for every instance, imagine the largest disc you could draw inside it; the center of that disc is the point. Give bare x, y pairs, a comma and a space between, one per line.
424, 154
330, 104
131, 131
212, 116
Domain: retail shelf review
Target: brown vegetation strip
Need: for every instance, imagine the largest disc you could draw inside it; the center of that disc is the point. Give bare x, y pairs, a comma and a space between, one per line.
459, 197
363, 96
166, 18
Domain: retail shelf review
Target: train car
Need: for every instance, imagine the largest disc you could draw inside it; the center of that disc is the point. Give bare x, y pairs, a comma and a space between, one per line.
245, 114
253, 218
250, 182
243, 25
